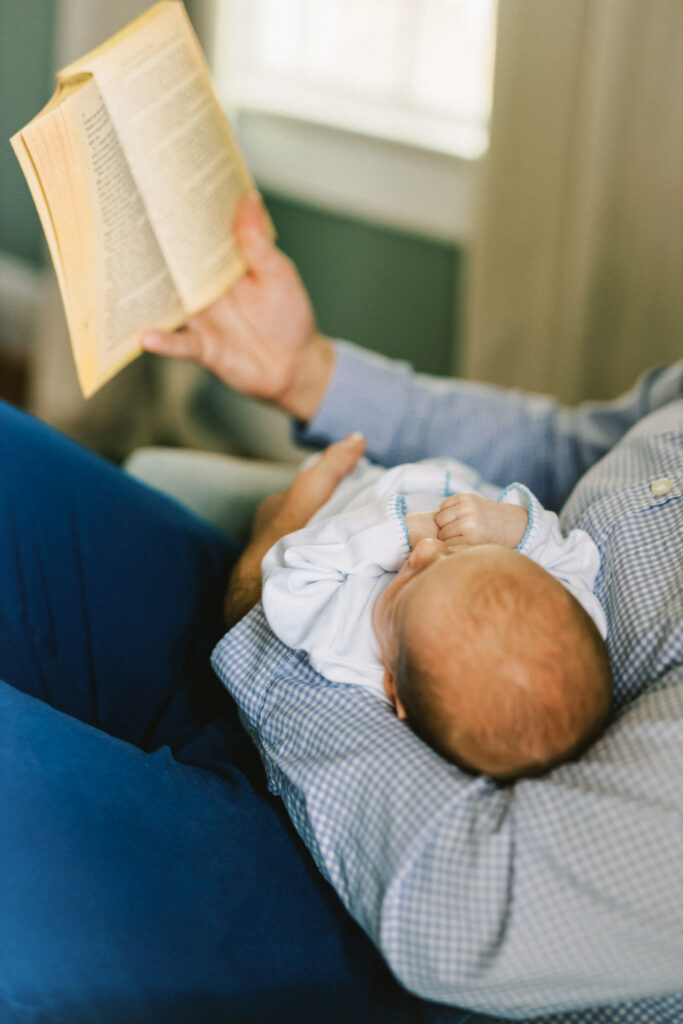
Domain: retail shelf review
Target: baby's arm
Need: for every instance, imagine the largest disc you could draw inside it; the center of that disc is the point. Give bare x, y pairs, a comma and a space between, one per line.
313, 578
420, 526
471, 519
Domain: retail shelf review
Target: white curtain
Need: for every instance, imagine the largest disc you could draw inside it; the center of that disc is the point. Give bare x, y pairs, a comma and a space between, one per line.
576, 279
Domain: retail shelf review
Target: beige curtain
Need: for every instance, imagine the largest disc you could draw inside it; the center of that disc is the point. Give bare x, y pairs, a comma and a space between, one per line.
576, 279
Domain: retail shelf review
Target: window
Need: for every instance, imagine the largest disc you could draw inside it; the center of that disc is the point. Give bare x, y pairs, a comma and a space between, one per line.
333, 99
416, 71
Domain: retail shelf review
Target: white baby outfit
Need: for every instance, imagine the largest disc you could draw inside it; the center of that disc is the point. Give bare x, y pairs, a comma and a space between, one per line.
321, 583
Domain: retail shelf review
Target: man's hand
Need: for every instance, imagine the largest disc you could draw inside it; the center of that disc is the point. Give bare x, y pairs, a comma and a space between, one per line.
292, 508
260, 338
471, 519
283, 513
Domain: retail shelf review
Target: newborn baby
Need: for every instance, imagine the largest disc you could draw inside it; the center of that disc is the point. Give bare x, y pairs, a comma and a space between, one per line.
460, 604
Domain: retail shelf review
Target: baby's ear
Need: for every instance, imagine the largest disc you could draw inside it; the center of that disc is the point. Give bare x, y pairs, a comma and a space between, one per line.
388, 684
390, 690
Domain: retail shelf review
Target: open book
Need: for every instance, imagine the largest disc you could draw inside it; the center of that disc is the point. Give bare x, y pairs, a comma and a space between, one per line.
136, 175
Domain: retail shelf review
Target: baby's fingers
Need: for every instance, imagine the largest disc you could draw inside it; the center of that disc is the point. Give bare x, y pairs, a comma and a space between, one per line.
449, 511
453, 499
452, 533
452, 502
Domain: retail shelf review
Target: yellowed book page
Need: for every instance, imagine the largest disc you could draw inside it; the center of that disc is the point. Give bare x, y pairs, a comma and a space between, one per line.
179, 146
28, 166
115, 278
39, 198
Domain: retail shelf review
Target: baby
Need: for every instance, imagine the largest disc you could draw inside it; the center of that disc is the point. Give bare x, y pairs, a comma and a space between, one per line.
461, 604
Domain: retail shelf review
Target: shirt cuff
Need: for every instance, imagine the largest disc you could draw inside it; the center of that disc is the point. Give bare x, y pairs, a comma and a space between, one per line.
396, 511
247, 659
366, 390
518, 494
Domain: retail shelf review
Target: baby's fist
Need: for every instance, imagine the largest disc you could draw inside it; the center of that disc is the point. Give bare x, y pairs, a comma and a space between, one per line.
470, 519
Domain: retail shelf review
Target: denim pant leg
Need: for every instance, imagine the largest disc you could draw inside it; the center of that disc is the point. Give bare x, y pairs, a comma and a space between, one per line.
110, 596
140, 890
145, 873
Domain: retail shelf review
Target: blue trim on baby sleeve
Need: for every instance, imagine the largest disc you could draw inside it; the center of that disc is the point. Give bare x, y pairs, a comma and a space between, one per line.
531, 512
399, 506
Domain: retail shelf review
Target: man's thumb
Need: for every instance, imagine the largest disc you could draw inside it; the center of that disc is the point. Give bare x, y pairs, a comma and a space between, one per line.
250, 230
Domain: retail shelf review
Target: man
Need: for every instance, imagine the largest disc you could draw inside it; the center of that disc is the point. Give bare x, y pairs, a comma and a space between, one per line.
146, 874
556, 894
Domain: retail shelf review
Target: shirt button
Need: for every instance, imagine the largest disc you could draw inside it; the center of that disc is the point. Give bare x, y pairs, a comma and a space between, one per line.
661, 487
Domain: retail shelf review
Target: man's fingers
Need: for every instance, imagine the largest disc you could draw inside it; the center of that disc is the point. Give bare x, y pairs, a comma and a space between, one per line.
339, 458
250, 231
182, 344
316, 483
313, 485
197, 341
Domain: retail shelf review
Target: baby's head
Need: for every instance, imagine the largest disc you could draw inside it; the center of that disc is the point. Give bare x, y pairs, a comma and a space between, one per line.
491, 660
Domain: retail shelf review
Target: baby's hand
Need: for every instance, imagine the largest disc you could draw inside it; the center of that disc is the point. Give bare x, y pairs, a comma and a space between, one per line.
471, 519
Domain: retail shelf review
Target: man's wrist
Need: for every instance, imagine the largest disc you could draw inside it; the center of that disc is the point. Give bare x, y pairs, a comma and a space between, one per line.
304, 395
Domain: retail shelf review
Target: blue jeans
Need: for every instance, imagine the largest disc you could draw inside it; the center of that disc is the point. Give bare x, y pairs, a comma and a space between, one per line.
146, 875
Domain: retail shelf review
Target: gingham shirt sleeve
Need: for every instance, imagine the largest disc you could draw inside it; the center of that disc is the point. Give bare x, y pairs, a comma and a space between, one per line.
505, 434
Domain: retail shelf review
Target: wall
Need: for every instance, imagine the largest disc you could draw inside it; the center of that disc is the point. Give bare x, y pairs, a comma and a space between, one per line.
389, 291
26, 83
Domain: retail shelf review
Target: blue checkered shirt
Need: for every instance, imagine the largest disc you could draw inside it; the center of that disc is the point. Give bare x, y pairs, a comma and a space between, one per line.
560, 896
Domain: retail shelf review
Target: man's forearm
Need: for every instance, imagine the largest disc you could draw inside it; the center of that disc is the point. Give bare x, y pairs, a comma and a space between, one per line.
504, 433
244, 591
245, 583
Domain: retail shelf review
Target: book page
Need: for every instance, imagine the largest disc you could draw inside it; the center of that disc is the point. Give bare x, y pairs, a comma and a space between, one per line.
28, 167
135, 288
112, 275
180, 149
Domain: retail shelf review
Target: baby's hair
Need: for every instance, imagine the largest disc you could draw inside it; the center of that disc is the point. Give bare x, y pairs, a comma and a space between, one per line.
526, 681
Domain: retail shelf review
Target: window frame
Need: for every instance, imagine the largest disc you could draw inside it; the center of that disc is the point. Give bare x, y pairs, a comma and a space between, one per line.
345, 169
